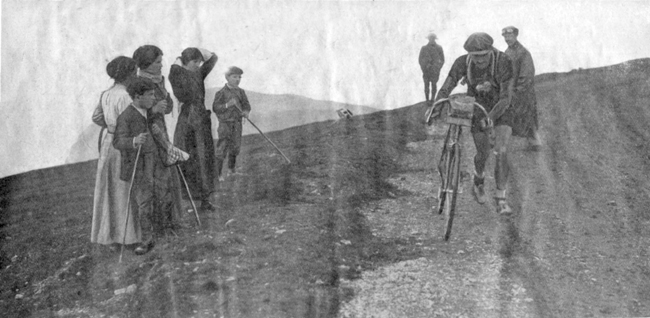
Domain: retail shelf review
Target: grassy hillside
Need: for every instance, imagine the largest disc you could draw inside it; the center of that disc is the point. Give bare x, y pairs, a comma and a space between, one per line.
270, 112
284, 236
284, 251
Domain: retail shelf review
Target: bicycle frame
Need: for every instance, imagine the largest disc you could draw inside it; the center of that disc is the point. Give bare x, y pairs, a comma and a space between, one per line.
449, 164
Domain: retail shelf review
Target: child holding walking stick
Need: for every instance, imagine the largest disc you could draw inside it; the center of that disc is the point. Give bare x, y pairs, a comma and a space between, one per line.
140, 159
230, 105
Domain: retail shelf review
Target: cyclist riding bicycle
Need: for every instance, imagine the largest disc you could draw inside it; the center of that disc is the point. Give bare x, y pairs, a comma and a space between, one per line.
487, 72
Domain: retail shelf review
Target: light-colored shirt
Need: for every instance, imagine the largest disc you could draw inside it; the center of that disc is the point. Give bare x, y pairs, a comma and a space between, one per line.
114, 102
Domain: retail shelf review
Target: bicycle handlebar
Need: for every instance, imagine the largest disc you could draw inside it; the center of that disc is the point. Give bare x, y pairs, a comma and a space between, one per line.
475, 104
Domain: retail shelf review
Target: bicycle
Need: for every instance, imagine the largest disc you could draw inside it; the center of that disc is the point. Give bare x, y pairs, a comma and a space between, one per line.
458, 113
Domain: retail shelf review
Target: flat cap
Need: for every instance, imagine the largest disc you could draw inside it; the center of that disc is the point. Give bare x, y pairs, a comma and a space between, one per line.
234, 70
478, 43
510, 30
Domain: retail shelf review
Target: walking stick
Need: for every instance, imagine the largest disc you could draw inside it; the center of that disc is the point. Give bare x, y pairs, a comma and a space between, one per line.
128, 202
263, 135
196, 213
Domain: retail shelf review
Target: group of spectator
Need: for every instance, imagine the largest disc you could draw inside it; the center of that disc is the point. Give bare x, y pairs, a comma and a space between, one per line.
501, 82
140, 173
140, 166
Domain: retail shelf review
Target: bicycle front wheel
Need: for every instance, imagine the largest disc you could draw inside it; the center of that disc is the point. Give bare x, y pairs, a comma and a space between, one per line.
451, 193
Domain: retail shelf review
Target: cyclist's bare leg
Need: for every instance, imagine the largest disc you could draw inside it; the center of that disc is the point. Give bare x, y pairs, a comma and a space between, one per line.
502, 166
482, 144
534, 141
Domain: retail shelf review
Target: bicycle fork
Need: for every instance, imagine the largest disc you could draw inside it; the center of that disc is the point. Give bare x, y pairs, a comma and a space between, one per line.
450, 150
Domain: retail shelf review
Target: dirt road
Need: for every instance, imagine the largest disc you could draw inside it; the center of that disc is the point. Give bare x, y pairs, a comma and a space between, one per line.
577, 243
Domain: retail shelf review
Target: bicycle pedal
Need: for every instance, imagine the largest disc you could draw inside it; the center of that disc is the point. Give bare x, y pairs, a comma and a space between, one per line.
460, 190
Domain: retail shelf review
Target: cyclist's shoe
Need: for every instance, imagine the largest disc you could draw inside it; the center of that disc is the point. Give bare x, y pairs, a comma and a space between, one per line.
534, 148
502, 206
479, 190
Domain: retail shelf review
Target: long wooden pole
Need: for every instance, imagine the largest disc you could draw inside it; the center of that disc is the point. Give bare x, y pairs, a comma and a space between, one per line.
196, 213
128, 201
263, 135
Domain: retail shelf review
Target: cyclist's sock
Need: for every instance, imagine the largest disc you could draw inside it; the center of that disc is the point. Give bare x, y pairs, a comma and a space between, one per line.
501, 193
478, 180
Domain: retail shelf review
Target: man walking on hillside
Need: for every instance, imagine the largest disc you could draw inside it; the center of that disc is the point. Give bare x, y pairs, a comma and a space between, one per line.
431, 60
487, 72
524, 101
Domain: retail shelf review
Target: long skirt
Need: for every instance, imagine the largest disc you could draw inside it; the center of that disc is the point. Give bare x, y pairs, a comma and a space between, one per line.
194, 135
110, 201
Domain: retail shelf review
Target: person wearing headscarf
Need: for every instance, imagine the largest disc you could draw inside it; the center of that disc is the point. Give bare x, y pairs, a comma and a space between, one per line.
524, 100
431, 60
487, 73
194, 127
111, 193
168, 185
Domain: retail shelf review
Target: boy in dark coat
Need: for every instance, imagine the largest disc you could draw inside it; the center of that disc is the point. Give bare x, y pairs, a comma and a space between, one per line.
230, 105
139, 152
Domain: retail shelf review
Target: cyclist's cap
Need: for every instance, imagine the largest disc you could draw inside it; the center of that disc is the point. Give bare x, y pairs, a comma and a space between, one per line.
234, 70
478, 43
510, 30
432, 35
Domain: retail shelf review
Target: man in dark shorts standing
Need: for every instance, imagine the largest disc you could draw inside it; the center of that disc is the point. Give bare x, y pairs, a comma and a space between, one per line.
487, 72
524, 100
431, 60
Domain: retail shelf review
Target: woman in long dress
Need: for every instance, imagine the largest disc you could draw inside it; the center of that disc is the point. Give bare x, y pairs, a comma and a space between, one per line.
111, 193
194, 127
167, 186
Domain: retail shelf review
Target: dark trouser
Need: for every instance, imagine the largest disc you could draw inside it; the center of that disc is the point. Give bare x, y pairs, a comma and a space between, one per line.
145, 199
167, 194
430, 85
229, 144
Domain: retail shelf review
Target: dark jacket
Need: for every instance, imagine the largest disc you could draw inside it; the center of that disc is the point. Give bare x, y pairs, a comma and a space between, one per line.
230, 114
524, 100
431, 59
129, 125
523, 69
498, 73
188, 86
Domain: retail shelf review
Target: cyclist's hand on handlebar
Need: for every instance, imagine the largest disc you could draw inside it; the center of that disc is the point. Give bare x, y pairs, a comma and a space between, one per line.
433, 113
486, 123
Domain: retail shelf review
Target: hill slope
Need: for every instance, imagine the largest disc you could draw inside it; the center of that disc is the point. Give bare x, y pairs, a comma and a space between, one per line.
348, 225
270, 113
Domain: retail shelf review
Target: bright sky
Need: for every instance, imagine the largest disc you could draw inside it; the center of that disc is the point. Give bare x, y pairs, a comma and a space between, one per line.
54, 53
